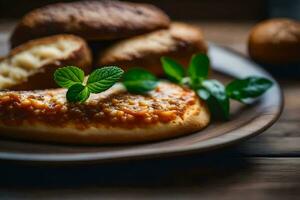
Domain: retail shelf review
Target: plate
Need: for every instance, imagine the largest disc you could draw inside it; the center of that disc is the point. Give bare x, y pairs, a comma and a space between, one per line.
245, 122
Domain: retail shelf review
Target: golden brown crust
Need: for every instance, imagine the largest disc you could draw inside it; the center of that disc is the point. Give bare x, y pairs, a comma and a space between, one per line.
42, 77
92, 20
275, 41
180, 42
46, 116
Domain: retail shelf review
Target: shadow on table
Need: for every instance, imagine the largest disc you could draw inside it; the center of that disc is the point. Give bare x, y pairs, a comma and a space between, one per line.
204, 169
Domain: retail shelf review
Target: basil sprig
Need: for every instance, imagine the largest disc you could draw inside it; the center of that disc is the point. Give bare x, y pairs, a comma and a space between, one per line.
174, 71
215, 97
195, 72
213, 92
138, 80
73, 78
248, 88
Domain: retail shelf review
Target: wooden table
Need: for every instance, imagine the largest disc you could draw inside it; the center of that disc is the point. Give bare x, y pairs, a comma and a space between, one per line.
265, 167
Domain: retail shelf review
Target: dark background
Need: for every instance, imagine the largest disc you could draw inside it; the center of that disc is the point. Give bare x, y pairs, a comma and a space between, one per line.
187, 9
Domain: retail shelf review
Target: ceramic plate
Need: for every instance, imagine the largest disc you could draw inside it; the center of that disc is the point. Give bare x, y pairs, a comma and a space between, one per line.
245, 122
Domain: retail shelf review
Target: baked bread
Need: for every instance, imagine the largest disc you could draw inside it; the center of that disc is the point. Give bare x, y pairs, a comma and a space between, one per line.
92, 20
31, 65
114, 116
180, 42
275, 41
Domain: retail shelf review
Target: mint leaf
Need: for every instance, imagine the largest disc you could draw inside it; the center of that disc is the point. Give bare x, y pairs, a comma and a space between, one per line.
72, 78
78, 93
103, 78
67, 76
213, 92
173, 70
250, 87
139, 80
198, 68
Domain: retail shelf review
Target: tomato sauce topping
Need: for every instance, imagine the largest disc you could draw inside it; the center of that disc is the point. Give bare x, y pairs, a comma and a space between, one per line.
113, 108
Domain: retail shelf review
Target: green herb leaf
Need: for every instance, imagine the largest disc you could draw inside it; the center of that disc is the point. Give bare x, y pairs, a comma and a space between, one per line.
251, 87
203, 93
78, 93
173, 70
139, 80
103, 78
67, 76
198, 68
213, 92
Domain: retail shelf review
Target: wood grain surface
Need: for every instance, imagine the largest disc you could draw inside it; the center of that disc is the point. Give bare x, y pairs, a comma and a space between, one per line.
265, 167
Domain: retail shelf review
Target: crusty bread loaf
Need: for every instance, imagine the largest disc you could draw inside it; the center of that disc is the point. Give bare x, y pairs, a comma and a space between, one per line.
180, 42
114, 116
275, 41
31, 65
92, 20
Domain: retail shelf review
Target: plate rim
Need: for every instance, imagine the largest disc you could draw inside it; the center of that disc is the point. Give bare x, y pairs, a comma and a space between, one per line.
208, 145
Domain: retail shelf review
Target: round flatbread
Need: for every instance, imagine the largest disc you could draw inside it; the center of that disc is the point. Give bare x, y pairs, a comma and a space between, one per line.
92, 20
180, 42
114, 116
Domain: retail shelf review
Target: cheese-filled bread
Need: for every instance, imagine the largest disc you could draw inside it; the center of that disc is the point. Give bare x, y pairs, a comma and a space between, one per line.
180, 42
91, 20
113, 116
31, 65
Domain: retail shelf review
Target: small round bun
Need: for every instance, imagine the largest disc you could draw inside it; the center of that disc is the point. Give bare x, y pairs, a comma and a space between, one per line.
92, 20
32, 64
275, 41
113, 116
180, 42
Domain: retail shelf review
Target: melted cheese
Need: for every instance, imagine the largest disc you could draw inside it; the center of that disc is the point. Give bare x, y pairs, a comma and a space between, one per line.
16, 69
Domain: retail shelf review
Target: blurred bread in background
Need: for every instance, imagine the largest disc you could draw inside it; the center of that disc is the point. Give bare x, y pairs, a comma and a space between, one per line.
180, 42
119, 33
32, 64
275, 41
92, 20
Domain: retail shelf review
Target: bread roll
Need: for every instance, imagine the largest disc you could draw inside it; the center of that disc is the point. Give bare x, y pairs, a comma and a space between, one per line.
92, 20
114, 116
31, 65
275, 41
181, 41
